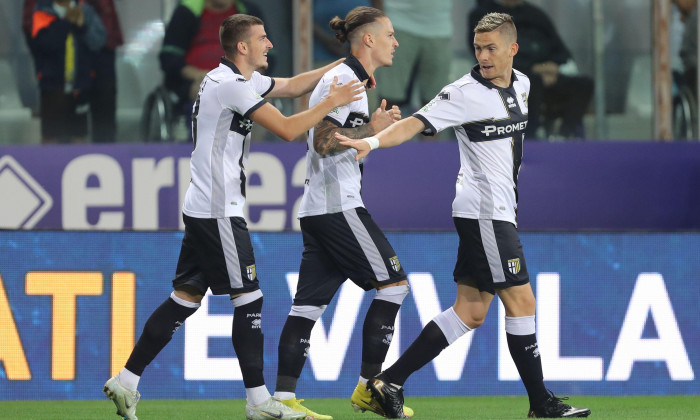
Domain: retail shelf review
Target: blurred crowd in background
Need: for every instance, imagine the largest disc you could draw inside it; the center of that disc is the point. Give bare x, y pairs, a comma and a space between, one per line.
105, 71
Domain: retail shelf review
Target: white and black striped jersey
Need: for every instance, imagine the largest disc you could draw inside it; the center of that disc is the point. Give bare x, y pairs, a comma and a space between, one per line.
490, 124
221, 132
333, 181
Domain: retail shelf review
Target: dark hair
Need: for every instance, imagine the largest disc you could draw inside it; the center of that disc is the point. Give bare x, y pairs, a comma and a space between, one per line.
234, 29
501, 22
355, 18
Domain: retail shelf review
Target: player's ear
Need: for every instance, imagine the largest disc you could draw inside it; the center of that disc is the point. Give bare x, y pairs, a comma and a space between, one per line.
368, 39
242, 47
514, 49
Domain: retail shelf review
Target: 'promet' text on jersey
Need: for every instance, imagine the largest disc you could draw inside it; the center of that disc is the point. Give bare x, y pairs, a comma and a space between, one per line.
490, 124
333, 181
221, 132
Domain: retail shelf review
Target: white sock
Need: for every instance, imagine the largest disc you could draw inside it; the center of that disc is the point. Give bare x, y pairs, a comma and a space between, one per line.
257, 395
363, 380
285, 395
128, 380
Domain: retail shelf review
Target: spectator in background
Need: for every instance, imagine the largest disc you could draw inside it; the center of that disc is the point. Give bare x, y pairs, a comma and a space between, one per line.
689, 44
64, 38
103, 100
556, 91
424, 30
103, 96
191, 45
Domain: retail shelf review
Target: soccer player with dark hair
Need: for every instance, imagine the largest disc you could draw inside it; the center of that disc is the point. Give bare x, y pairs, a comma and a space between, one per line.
488, 110
341, 241
216, 249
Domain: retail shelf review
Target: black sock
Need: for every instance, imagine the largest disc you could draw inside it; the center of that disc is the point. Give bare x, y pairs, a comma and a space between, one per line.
247, 338
157, 332
292, 351
430, 342
526, 355
377, 332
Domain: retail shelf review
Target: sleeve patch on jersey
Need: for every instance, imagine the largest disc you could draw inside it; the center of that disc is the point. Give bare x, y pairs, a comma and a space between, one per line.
444, 96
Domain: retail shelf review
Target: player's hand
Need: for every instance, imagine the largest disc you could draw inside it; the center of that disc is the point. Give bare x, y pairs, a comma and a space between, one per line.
360, 145
382, 118
341, 95
395, 113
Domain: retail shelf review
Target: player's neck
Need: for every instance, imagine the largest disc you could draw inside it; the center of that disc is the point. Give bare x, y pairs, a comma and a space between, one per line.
366, 60
241, 65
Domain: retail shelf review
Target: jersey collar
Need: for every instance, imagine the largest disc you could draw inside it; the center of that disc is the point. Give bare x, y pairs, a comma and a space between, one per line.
352, 62
225, 61
476, 74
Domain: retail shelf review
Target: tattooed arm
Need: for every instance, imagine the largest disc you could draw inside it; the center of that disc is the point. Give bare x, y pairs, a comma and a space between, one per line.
325, 141
324, 136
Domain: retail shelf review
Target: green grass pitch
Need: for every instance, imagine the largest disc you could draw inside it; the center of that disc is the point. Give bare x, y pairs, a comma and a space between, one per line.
636, 407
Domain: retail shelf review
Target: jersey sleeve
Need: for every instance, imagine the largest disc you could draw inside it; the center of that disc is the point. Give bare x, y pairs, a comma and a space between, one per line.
262, 84
447, 109
337, 115
239, 97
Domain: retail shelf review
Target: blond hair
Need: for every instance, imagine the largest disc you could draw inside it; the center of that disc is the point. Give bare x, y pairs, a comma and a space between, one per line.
501, 22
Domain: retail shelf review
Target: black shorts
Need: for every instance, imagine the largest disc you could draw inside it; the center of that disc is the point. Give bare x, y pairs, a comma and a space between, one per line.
340, 246
490, 255
216, 254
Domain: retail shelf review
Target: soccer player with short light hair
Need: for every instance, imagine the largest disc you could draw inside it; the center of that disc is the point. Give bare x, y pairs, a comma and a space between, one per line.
488, 110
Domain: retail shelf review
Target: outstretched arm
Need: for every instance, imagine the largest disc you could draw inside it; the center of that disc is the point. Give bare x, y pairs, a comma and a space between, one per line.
325, 141
300, 84
392, 136
288, 128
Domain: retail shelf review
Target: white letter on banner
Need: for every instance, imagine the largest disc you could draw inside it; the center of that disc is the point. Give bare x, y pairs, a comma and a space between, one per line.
450, 363
271, 191
146, 181
183, 182
198, 328
650, 298
327, 353
298, 180
77, 197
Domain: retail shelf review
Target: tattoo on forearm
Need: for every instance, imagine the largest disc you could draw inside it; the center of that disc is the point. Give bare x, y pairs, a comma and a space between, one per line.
324, 136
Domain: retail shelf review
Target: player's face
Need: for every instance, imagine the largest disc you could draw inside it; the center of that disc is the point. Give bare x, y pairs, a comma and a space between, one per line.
258, 46
495, 56
386, 43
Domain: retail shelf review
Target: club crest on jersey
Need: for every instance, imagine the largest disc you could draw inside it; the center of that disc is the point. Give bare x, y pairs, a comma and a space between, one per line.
524, 95
514, 265
251, 272
395, 264
246, 124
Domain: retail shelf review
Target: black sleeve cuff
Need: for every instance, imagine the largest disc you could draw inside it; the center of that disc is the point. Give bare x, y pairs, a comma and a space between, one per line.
272, 85
429, 128
254, 108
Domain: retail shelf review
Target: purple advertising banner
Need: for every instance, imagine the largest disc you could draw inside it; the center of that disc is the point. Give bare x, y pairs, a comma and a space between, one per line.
562, 186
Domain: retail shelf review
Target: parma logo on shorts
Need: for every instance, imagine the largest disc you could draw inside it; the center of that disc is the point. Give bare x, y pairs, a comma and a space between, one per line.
514, 265
395, 264
251, 272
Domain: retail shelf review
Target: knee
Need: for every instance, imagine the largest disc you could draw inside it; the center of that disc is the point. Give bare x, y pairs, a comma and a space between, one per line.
394, 293
472, 317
